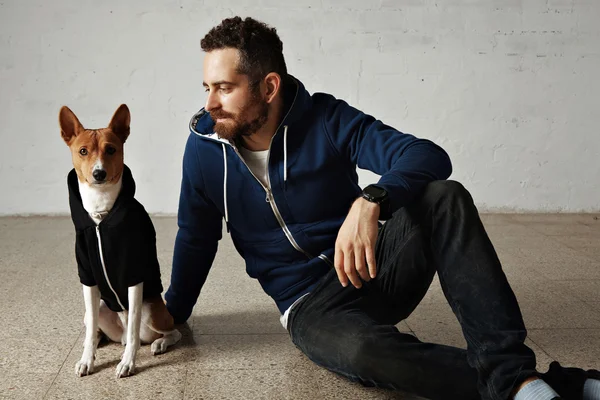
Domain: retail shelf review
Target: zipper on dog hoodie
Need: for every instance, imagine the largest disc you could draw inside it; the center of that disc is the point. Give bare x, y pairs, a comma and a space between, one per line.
100, 252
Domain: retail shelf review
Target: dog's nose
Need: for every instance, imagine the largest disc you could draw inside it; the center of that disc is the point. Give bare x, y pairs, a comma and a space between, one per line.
99, 175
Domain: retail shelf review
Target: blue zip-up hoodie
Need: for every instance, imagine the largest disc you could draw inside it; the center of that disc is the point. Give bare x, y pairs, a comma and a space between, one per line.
287, 234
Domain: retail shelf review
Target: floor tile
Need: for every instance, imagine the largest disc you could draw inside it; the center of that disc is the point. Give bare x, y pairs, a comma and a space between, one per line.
246, 352
585, 290
432, 316
449, 337
334, 386
571, 347
161, 376
239, 319
25, 385
273, 383
554, 218
34, 354
559, 315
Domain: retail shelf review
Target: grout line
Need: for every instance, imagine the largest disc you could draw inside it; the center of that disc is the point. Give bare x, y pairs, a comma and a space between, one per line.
63, 363
185, 381
562, 329
575, 280
251, 368
191, 323
240, 334
541, 348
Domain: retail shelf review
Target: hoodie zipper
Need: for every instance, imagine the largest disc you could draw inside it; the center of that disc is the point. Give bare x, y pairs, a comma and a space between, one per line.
271, 200
104, 266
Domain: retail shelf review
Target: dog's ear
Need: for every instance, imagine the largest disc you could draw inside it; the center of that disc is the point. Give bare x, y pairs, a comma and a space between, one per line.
120, 121
69, 124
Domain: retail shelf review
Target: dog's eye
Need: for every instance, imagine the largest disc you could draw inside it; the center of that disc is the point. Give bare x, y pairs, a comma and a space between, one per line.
83, 152
110, 150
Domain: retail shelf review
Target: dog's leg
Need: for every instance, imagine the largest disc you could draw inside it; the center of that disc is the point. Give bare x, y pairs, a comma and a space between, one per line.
157, 319
123, 319
127, 365
110, 323
91, 297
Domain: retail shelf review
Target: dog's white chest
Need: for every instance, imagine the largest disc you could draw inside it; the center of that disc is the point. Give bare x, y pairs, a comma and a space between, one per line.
98, 200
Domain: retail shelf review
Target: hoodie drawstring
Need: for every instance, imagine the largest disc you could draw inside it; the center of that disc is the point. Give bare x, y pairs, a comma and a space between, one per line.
285, 129
225, 186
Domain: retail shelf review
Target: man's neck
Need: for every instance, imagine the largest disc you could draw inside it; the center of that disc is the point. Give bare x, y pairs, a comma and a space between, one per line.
261, 140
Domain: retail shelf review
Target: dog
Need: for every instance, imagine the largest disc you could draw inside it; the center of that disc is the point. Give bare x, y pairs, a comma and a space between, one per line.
115, 246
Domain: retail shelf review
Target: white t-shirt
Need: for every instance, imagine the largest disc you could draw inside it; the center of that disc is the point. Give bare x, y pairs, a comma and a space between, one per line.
257, 162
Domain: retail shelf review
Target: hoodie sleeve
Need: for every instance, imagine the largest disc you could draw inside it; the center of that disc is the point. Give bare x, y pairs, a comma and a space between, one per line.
200, 229
406, 163
84, 269
142, 265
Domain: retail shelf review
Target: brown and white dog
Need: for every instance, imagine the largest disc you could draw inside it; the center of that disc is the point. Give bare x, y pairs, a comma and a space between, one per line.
97, 181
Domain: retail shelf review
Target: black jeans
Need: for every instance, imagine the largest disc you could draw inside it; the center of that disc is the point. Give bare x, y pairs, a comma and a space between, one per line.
351, 331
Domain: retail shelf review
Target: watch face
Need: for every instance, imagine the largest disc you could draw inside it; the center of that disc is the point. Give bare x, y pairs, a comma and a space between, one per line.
375, 191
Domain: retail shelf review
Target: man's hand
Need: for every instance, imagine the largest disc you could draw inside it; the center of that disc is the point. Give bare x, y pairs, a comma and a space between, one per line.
355, 244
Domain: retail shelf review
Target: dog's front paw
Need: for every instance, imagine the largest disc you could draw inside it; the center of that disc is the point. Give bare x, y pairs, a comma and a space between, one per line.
85, 366
159, 346
126, 367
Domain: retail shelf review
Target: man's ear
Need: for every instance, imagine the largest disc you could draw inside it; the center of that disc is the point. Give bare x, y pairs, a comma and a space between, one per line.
272, 86
69, 124
120, 121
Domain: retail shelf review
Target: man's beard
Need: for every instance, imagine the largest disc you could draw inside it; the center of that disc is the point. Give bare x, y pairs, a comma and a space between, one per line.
237, 126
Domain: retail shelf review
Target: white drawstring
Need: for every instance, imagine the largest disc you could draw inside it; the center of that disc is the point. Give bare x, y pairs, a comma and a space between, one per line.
285, 129
225, 185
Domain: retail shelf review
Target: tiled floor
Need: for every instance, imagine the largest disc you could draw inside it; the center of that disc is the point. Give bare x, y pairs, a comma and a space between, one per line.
235, 347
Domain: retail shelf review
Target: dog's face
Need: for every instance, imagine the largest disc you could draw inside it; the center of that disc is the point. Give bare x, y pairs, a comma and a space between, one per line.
97, 153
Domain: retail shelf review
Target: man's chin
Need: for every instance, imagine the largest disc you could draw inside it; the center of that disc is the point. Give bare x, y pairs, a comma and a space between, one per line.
224, 133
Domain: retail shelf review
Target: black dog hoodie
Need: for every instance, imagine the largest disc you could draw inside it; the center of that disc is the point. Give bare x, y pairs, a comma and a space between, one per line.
120, 251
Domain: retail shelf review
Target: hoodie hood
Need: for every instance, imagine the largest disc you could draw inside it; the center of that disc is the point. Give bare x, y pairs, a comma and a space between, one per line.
80, 216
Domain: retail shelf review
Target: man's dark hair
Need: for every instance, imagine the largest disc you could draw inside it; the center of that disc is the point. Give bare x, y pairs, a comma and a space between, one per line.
260, 49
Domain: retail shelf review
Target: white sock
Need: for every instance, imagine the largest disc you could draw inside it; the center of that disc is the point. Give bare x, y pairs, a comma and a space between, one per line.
536, 390
591, 389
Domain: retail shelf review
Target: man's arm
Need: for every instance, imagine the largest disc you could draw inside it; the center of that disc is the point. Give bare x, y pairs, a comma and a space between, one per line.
406, 165
200, 229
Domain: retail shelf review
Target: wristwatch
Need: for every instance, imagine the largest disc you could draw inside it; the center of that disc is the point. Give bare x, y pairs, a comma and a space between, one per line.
375, 194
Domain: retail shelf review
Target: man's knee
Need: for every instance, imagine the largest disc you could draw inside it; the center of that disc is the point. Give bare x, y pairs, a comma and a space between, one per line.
446, 191
349, 352
363, 356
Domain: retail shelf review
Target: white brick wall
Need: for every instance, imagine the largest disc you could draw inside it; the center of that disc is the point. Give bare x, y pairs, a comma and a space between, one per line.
509, 88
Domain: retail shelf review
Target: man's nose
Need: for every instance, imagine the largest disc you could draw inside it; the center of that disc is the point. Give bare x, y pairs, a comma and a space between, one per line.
212, 102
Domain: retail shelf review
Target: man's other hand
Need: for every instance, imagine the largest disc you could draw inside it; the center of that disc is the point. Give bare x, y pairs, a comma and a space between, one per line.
355, 245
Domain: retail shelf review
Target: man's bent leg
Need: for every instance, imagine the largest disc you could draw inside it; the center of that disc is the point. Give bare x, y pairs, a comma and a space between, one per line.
476, 288
442, 231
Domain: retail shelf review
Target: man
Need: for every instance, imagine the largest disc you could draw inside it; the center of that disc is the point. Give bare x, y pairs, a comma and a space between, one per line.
279, 165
